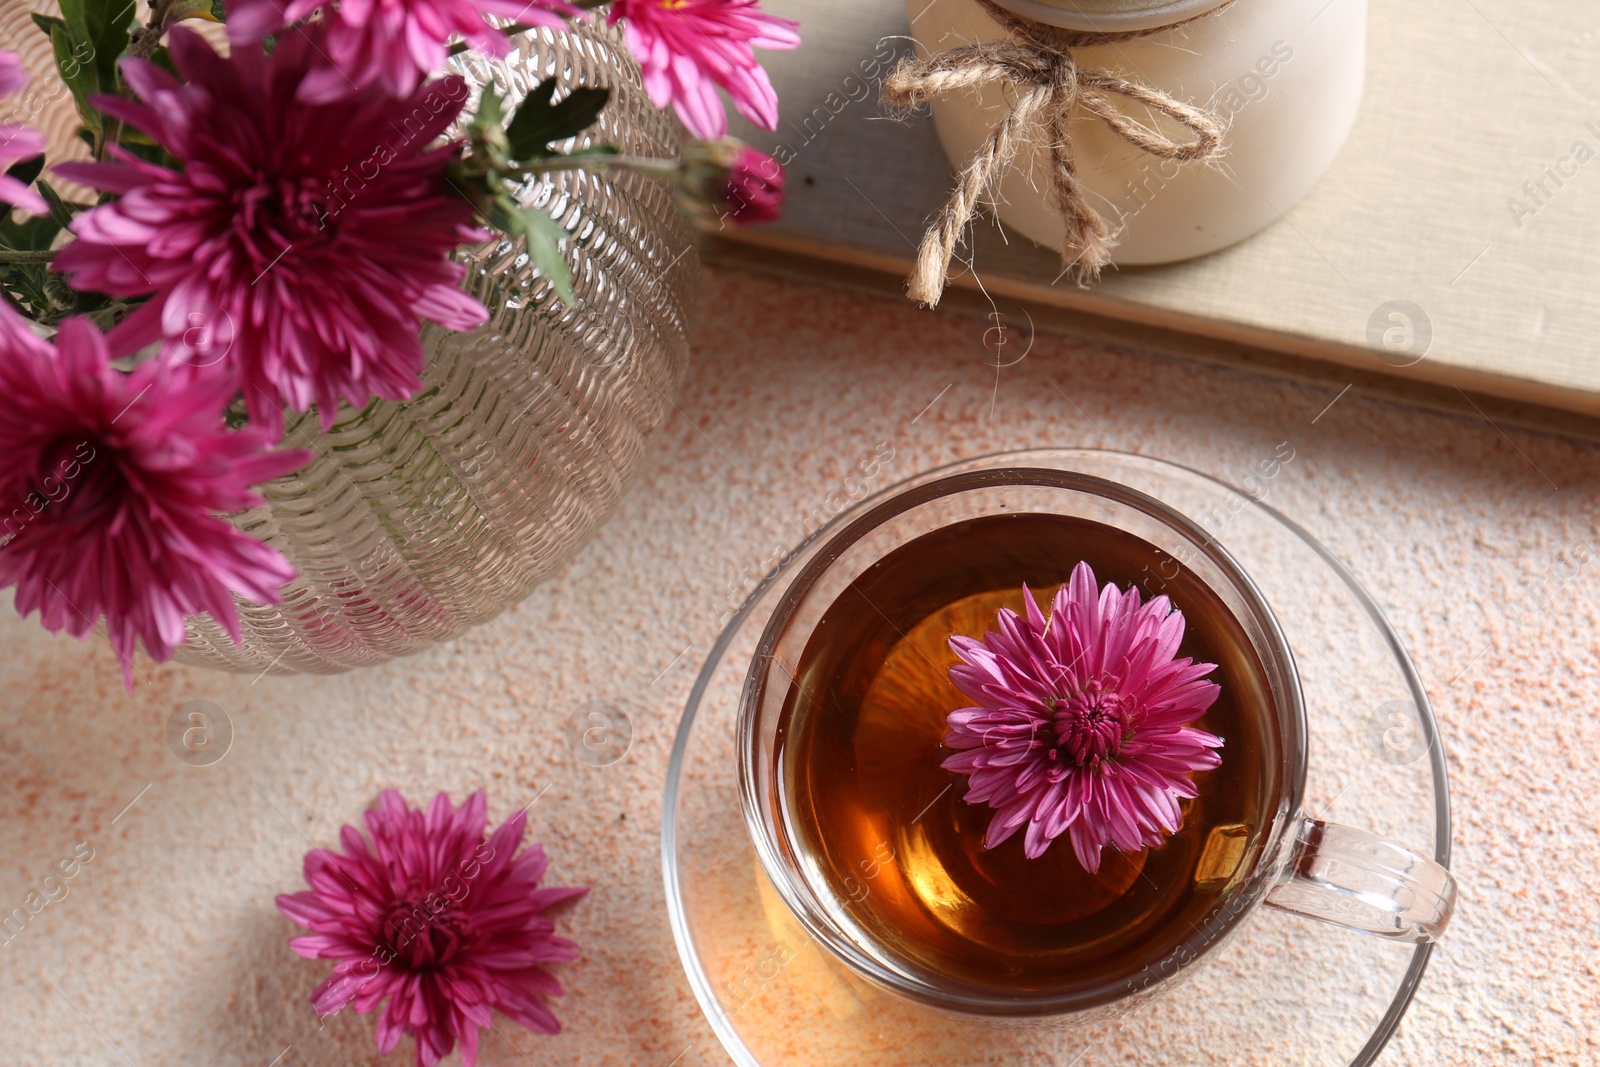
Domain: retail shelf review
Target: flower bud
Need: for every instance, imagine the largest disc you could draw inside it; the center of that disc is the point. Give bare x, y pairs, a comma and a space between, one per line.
728, 181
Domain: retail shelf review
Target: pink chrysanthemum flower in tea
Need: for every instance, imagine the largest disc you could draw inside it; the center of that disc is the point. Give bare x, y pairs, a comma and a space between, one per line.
687, 48
300, 245
444, 923
1082, 723
392, 43
111, 488
17, 142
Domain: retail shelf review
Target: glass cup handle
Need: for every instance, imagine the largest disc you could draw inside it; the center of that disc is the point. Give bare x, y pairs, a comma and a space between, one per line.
1358, 880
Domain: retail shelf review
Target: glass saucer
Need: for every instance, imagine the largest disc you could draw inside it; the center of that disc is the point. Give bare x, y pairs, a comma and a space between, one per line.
1284, 990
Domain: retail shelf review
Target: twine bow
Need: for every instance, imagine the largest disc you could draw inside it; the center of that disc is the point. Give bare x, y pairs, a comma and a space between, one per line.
1037, 68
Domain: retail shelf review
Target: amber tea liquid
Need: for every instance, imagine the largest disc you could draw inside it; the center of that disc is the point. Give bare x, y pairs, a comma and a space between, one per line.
897, 855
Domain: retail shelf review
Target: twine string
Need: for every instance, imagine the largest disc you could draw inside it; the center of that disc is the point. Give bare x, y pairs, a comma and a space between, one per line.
1044, 82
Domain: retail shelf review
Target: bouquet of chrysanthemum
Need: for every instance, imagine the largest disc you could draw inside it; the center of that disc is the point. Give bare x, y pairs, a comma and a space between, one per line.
274, 227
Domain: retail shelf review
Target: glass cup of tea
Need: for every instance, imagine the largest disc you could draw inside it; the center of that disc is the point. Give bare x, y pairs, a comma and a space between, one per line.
869, 842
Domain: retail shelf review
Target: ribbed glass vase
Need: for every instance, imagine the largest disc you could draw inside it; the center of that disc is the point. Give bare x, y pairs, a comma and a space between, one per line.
416, 520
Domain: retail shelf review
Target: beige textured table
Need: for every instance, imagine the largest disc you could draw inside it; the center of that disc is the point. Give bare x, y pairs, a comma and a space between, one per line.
168, 949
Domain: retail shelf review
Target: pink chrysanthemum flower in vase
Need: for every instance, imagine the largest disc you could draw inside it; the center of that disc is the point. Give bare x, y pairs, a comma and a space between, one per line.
111, 488
752, 192
1082, 723
301, 245
443, 923
392, 43
687, 48
17, 142
727, 181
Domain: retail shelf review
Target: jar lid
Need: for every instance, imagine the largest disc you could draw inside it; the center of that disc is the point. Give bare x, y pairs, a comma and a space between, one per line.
1109, 16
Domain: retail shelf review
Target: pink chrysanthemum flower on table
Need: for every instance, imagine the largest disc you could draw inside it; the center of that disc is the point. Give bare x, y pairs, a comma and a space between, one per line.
442, 922
1082, 724
111, 488
301, 245
17, 142
393, 43
687, 48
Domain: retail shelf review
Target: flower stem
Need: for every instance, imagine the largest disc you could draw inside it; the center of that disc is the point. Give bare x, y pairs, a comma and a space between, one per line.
664, 169
146, 39
8, 256
142, 43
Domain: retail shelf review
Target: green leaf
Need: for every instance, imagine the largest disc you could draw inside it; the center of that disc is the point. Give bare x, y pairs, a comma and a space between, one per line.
208, 10
102, 26
24, 288
28, 235
543, 236
538, 122
105, 311
60, 210
75, 17
47, 298
163, 59
47, 23
542, 94
578, 110
491, 109
26, 170
38, 294
81, 77
486, 131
